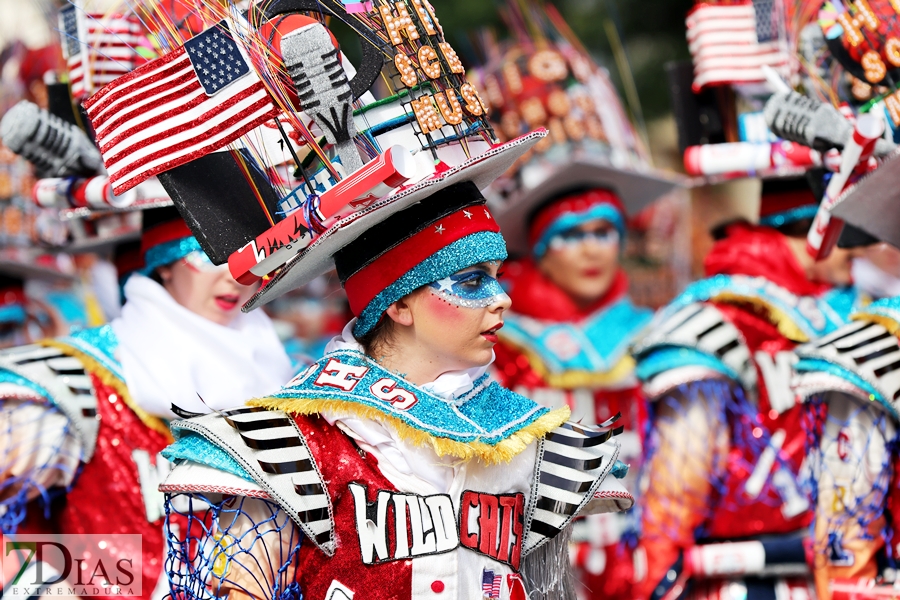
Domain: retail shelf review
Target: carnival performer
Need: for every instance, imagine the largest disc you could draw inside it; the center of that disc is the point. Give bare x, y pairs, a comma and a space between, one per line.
563, 212
726, 441
85, 416
848, 384
392, 467
399, 469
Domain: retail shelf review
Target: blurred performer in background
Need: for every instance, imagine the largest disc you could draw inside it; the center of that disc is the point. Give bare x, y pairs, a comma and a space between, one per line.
84, 416
563, 212
849, 382
726, 442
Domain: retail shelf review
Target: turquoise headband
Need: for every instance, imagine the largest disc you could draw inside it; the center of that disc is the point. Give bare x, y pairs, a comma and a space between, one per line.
167, 253
789, 216
479, 247
569, 220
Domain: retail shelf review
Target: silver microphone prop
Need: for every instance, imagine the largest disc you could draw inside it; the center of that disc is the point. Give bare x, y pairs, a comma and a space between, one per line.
56, 148
314, 65
798, 118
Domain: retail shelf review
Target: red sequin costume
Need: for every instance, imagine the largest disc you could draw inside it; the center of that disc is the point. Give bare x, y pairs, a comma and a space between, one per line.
78, 433
727, 441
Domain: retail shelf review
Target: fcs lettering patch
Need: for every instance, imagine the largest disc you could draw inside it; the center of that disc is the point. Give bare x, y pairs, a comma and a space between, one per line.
493, 525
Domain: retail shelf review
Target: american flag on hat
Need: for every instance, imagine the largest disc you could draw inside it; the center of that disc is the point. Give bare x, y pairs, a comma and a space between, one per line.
731, 40
98, 48
190, 102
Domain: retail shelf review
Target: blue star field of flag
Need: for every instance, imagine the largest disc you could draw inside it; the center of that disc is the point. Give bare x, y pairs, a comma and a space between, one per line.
216, 58
69, 18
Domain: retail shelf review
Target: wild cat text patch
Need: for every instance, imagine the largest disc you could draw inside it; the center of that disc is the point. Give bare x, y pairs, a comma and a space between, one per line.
397, 526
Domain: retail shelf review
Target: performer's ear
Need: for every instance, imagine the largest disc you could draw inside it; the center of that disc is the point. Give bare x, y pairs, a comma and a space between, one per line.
165, 273
400, 312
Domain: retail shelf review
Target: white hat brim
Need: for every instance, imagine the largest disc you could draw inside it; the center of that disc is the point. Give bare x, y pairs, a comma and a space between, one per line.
26, 267
316, 258
636, 190
873, 202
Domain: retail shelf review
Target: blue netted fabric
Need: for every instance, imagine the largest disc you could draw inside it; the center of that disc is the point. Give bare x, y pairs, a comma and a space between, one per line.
232, 545
852, 447
39, 459
700, 434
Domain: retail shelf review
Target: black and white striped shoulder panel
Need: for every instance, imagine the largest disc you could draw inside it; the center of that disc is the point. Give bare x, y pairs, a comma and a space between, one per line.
65, 380
702, 326
572, 462
865, 349
270, 447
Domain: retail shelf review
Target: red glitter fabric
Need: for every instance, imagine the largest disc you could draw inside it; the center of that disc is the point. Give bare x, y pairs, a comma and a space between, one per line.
341, 463
535, 296
760, 252
162, 233
364, 285
106, 497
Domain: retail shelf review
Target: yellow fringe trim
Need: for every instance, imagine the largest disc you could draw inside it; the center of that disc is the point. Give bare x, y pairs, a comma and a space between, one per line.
776, 316
103, 374
503, 451
890, 324
575, 379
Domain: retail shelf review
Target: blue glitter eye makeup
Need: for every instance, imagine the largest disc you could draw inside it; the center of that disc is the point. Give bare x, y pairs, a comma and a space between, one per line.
200, 262
573, 237
472, 289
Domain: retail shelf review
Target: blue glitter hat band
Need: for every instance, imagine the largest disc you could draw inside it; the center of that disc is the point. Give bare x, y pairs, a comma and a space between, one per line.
567, 221
789, 216
12, 313
168, 252
465, 252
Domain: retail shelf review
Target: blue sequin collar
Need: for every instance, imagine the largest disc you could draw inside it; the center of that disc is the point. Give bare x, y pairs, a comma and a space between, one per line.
349, 380
595, 344
100, 344
814, 316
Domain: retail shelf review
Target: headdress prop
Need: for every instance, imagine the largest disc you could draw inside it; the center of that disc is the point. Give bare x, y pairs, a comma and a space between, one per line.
99, 48
824, 232
735, 46
222, 189
56, 148
545, 78
863, 36
871, 202
144, 127
358, 161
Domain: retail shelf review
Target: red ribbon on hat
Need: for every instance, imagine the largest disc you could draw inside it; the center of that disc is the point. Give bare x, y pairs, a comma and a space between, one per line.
162, 233
368, 282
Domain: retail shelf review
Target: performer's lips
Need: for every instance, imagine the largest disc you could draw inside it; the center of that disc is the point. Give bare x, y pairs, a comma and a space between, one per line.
227, 302
491, 334
594, 272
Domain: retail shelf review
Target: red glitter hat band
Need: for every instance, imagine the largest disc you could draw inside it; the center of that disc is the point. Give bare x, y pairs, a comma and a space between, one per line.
368, 282
175, 229
775, 202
